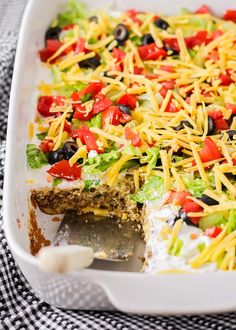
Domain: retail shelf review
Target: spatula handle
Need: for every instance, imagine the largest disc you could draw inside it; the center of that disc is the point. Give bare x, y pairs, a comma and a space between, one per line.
64, 259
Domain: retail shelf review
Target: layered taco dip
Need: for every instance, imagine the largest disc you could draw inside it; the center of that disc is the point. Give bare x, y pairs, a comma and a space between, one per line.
138, 121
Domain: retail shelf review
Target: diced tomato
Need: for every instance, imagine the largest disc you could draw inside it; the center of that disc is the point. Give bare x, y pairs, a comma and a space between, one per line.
213, 55
67, 127
199, 38
231, 107
129, 100
170, 84
111, 116
213, 231
191, 207
171, 107
172, 43
93, 89
151, 76
51, 47
138, 70
68, 27
179, 197
216, 34
215, 114
80, 46
221, 124
88, 138
226, 79
132, 137
46, 145
63, 170
151, 52
204, 9
230, 15
45, 102
167, 68
132, 13
101, 102
163, 91
81, 113
118, 54
209, 151
125, 118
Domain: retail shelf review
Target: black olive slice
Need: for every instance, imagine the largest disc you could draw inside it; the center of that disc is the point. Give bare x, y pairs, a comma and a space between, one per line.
125, 109
211, 126
208, 200
147, 39
93, 19
161, 23
185, 218
121, 33
232, 134
52, 33
170, 51
91, 63
55, 156
69, 149
182, 124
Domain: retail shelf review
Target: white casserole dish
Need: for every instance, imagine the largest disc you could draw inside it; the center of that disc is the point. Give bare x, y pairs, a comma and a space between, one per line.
92, 288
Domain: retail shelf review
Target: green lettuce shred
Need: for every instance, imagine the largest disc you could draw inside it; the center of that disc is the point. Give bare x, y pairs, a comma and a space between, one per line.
152, 155
201, 247
176, 247
35, 157
74, 11
102, 162
231, 221
56, 182
97, 121
150, 191
89, 183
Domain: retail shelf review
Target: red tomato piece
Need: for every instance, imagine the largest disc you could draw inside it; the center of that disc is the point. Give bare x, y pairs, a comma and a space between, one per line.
118, 54
216, 34
151, 52
204, 9
111, 116
209, 151
68, 27
171, 107
125, 118
45, 102
199, 38
215, 114
46, 145
101, 102
231, 107
138, 70
230, 15
63, 170
226, 79
151, 76
132, 137
132, 13
128, 99
221, 124
192, 207
67, 127
167, 68
81, 113
172, 43
80, 46
179, 197
51, 47
88, 138
93, 89
213, 231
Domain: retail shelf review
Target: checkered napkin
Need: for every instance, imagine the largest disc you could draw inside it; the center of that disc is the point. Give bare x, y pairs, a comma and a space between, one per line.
20, 308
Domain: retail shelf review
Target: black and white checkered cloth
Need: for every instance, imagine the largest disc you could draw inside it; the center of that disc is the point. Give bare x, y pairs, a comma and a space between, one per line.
20, 308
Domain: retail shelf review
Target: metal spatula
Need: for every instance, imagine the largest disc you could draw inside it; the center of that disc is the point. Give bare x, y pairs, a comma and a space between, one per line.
110, 238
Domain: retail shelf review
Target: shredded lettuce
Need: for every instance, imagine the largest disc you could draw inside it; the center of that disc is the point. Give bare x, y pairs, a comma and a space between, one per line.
132, 151
56, 182
185, 11
89, 183
74, 11
69, 89
151, 190
41, 136
97, 121
195, 186
176, 247
136, 40
152, 155
56, 74
201, 247
101, 162
231, 221
35, 157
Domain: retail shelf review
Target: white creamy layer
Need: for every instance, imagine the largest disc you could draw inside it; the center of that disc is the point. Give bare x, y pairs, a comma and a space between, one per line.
156, 253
